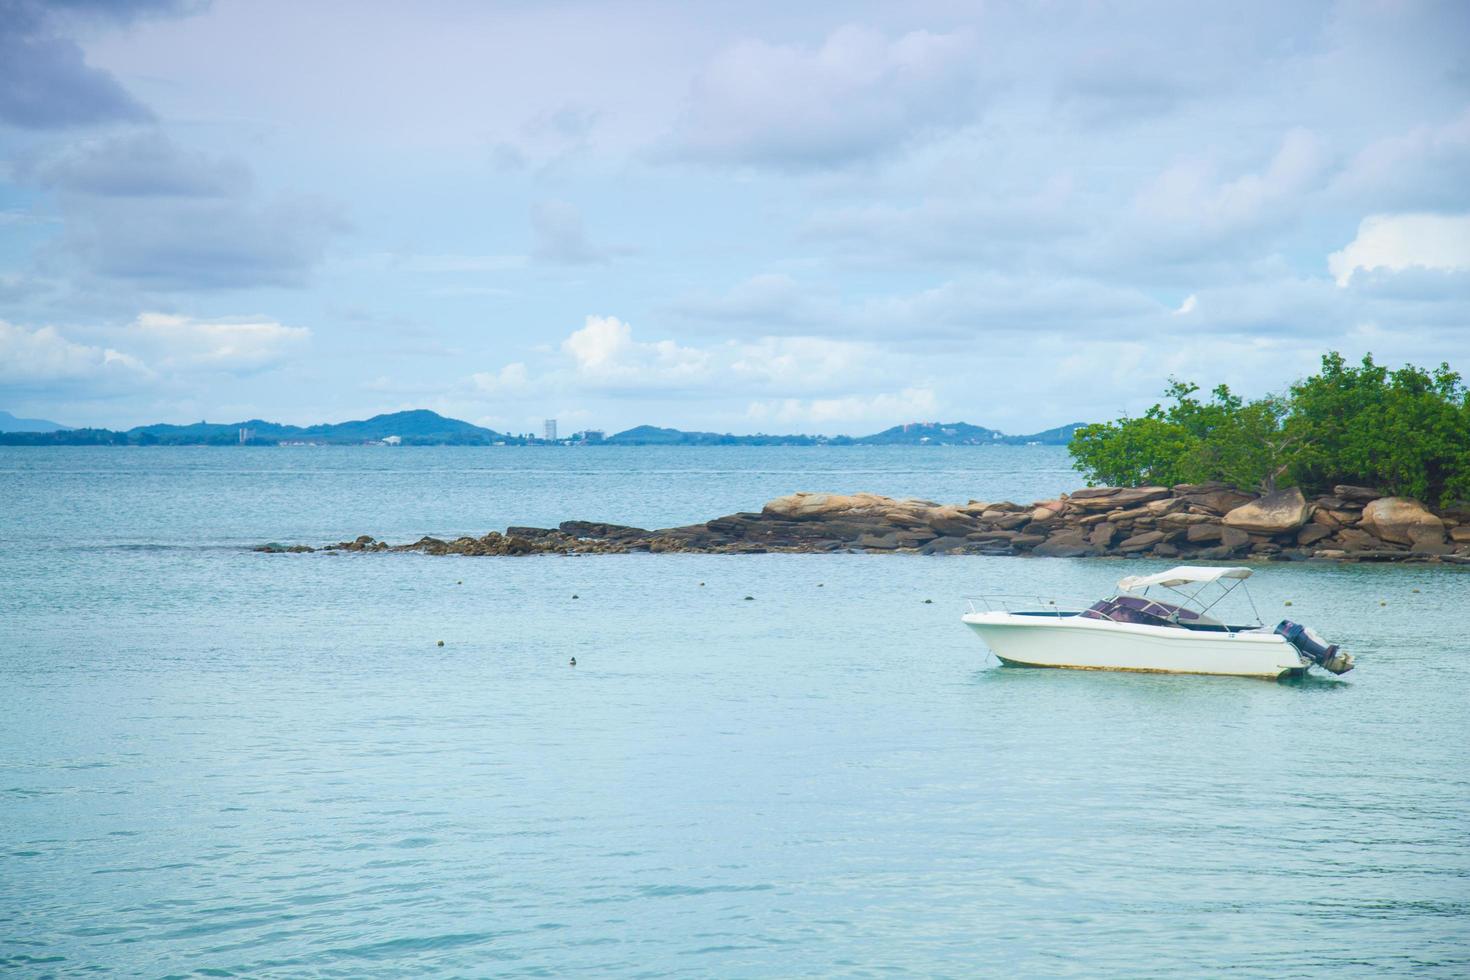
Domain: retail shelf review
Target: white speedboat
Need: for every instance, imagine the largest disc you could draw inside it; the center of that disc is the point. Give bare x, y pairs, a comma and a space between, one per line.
1133, 631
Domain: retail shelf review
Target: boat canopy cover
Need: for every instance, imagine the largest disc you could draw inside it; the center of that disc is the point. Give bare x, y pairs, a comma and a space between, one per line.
1182, 575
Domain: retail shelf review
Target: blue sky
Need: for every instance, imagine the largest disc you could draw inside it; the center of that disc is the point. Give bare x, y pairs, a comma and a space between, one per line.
743, 216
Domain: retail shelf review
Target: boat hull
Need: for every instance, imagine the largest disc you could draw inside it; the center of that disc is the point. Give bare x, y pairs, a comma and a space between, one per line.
1077, 643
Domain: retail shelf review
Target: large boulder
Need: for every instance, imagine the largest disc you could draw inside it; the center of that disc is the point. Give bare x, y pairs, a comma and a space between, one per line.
1067, 543
1276, 513
1401, 520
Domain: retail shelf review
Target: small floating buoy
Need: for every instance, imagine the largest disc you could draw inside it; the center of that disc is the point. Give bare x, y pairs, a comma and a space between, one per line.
1416, 590
574, 661
1287, 602
749, 598
460, 582
928, 602
701, 585
440, 643
575, 596
819, 585
1383, 602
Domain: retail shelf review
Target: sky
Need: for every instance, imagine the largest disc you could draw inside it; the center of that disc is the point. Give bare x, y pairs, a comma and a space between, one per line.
744, 217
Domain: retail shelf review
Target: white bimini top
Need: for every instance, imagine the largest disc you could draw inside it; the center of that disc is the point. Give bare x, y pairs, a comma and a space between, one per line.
1182, 575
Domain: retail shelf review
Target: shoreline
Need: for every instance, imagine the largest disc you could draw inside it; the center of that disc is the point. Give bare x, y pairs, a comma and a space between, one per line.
1202, 521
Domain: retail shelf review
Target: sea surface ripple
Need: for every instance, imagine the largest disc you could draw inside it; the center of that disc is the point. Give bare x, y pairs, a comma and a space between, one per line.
221, 763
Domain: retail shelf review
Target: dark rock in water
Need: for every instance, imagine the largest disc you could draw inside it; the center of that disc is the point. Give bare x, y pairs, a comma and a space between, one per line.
878, 542
527, 532
1233, 538
1069, 543
592, 529
945, 545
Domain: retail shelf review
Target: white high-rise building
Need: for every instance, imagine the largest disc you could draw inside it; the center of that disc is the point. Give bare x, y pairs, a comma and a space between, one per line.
550, 431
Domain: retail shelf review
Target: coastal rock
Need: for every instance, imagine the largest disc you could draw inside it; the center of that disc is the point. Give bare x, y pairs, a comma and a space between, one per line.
1112, 498
1275, 513
1155, 521
1401, 520
1217, 498
1141, 542
1312, 533
952, 521
945, 545
1361, 495
1200, 533
1233, 538
1068, 543
1103, 535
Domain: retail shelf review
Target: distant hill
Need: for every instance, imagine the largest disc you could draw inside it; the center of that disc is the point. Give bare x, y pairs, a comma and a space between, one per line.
934, 433
912, 434
414, 428
9, 423
652, 435
422, 427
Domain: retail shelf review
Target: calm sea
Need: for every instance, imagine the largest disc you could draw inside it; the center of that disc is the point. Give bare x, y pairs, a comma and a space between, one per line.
220, 763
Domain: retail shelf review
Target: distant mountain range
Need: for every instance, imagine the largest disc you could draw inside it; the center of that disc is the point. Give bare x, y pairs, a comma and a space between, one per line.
425, 428
9, 423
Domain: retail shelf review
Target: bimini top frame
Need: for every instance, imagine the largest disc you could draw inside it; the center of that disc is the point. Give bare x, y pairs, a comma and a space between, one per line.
1177, 580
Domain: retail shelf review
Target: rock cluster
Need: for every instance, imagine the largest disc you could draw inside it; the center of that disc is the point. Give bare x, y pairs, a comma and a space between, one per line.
1203, 521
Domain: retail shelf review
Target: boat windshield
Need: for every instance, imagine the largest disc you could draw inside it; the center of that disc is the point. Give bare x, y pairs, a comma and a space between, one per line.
1147, 612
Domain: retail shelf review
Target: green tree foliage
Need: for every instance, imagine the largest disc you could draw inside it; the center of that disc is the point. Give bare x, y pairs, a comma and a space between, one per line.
1405, 431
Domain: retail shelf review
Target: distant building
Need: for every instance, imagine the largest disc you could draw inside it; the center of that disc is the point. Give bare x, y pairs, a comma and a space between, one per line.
392, 440
550, 430
246, 435
590, 435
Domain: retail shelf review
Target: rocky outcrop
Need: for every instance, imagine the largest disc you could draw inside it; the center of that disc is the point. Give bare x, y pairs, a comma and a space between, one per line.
1205, 522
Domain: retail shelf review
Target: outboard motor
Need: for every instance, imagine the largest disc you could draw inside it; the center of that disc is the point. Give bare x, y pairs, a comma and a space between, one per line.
1314, 648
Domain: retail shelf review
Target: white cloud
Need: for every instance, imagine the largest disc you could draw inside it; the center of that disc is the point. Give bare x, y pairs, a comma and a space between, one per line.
605, 352
1403, 241
857, 94
44, 357
910, 404
230, 344
1188, 306
1191, 194
509, 380
1423, 167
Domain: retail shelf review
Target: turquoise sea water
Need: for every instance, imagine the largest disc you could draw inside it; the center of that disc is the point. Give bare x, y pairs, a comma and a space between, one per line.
216, 762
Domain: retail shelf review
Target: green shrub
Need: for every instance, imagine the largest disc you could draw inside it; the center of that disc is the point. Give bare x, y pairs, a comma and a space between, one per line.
1405, 431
